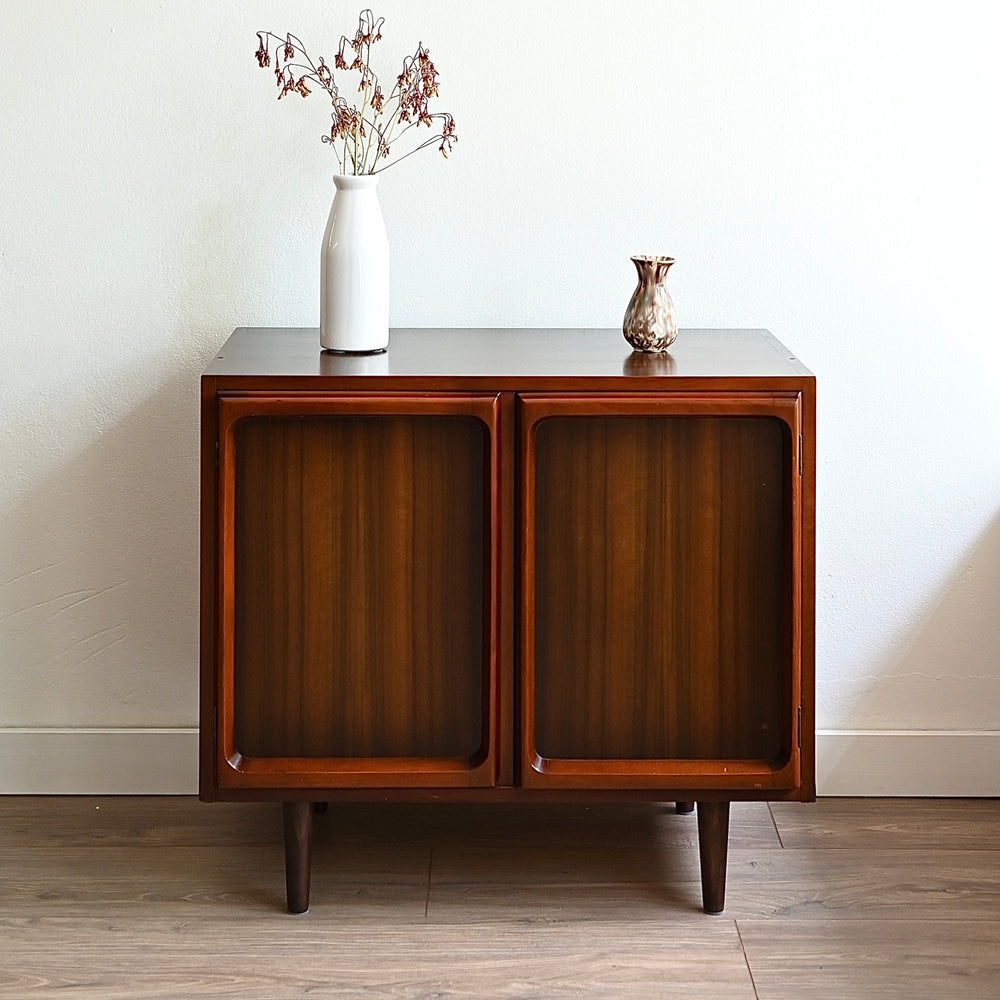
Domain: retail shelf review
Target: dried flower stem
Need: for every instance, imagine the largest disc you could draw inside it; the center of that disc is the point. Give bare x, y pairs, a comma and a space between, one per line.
368, 132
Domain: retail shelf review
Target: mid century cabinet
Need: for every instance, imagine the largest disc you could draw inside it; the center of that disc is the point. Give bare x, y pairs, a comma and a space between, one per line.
497, 565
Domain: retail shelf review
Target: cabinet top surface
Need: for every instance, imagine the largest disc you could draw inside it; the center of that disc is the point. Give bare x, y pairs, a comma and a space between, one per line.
497, 355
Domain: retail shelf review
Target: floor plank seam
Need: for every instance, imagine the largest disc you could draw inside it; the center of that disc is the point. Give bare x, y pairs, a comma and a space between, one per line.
746, 959
430, 866
774, 823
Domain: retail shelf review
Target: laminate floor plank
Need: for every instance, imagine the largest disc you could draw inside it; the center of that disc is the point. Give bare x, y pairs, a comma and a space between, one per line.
885, 884
34, 821
896, 824
579, 903
359, 878
915, 885
866, 959
515, 864
182, 820
174, 898
298, 957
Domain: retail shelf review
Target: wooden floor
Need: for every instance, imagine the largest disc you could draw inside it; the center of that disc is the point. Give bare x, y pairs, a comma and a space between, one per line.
126, 897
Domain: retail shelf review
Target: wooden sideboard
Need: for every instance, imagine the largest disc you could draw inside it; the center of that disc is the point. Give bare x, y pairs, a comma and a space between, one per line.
496, 565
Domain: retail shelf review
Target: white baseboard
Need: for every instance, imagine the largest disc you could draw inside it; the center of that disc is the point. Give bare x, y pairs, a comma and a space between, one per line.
165, 762
98, 761
946, 763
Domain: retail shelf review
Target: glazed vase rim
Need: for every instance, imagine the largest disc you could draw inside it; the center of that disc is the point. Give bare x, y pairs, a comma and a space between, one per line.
652, 258
355, 180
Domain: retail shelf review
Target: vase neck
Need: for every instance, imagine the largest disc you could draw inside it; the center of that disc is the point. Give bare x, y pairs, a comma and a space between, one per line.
651, 268
355, 182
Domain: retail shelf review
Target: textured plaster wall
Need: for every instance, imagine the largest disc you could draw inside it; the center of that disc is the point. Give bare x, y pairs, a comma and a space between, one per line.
827, 171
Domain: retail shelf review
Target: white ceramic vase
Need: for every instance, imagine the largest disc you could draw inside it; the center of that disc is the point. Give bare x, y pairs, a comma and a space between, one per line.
354, 270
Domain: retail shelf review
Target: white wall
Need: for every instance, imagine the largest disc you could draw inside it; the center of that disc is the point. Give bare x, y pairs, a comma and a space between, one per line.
827, 171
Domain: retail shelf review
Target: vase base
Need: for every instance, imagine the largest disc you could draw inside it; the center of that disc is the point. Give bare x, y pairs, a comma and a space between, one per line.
337, 350
650, 350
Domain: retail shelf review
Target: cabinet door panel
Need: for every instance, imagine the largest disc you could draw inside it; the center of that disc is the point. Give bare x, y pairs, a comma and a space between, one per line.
659, 572
359, 573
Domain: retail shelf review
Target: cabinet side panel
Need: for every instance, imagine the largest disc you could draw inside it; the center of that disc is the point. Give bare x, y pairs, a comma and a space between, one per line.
663, 588
359, 568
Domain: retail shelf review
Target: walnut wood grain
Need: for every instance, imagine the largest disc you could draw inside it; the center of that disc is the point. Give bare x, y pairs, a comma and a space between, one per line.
663, 588
503, 566
713, 849
359, 587
298, 823
358, 591
660, 589
507, 359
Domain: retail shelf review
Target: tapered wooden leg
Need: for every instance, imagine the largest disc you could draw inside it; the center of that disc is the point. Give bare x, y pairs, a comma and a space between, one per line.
685, 807
713, 847
298, 854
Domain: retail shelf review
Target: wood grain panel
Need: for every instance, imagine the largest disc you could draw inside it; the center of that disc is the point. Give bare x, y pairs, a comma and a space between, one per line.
862, 959
359, 577
291, 958
99, 899
829, 886
662, 587
153, 820
835, 824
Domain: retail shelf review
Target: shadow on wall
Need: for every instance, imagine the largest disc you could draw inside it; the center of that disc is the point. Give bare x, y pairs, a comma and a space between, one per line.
99, 575
930, 720
945, 674
99, 601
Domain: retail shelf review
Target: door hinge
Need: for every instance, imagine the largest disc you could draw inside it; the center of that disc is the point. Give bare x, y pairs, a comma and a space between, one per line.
800, 454
798, 726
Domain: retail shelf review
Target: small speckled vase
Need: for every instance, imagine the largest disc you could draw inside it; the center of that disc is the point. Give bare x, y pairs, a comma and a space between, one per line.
650, 324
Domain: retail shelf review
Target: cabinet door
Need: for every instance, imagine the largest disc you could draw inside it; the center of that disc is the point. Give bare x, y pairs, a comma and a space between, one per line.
661, 591
356, 591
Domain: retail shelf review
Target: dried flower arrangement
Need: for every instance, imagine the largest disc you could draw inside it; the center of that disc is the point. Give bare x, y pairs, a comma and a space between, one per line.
363, 136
